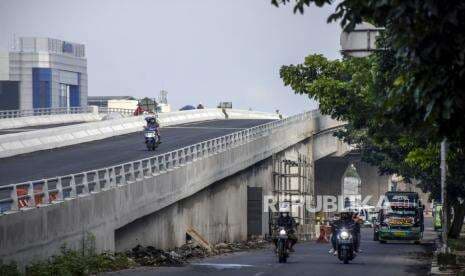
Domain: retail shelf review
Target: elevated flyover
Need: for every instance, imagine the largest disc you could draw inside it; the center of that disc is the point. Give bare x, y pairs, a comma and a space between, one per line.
120, 204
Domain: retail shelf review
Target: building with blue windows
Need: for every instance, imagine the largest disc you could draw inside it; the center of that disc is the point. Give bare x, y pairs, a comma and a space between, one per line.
43, 73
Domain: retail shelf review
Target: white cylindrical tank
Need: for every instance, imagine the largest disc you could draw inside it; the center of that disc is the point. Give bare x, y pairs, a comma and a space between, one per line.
360, 42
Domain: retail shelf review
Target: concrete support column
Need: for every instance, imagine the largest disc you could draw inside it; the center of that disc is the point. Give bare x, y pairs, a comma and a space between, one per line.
328, 175
371, 182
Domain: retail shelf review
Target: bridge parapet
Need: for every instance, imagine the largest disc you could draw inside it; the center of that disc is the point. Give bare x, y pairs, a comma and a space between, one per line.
4, 114
10, 119
246, 114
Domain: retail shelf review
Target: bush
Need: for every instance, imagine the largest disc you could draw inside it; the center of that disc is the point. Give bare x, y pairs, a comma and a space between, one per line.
9, 269
447, 259
79, 262
457, 244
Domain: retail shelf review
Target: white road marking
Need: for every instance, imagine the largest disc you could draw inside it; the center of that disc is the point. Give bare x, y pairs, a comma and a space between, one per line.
238, 128
222, 266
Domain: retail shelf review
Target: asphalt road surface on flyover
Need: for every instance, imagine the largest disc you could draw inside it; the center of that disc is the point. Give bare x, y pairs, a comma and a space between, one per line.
111, 151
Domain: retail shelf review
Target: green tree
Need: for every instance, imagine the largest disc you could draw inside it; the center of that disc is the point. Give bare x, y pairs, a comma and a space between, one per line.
353, 90
428, 45
401, 102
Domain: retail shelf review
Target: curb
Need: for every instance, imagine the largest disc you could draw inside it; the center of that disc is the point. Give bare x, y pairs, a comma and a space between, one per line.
434, 263
435, 267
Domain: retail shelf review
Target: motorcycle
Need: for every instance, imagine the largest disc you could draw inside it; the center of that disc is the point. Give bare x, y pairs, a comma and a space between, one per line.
282, 245
151, 138
345, 245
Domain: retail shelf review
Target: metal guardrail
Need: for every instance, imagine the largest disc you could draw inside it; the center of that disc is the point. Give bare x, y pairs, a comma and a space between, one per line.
32, 194
107, 110
43, 111
4, 114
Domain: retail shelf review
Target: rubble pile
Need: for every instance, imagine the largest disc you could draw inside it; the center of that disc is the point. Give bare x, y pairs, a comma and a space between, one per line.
193, 250
151, 256
222, 248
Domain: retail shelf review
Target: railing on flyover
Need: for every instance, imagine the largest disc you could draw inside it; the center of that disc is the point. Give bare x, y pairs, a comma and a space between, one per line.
43, 111
123, 111
32, 194
4, 114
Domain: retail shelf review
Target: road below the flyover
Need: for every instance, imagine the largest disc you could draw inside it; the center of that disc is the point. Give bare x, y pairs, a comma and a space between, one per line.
311, 259
111, 151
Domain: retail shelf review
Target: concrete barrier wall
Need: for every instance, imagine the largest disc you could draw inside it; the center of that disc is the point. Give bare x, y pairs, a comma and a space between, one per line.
20, 143
167, 228
9, 123
246, 114
324, 142
39, 232
188, 116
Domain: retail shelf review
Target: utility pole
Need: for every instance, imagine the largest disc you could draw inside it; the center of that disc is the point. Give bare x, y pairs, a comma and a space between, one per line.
445, 219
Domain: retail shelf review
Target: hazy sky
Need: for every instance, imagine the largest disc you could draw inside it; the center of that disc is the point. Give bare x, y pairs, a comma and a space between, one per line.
199, 51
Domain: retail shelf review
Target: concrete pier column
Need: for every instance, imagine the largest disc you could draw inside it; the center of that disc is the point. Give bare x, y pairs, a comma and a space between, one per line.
371, 182
328, 175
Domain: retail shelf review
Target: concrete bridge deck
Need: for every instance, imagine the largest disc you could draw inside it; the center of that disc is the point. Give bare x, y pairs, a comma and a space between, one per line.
112, 151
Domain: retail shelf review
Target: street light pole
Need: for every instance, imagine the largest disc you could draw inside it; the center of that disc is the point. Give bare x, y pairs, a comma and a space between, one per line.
445, 219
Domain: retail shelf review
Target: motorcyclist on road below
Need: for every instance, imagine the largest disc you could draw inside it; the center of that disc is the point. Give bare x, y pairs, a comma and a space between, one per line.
288, 222
358, 221
152, 123
345, 221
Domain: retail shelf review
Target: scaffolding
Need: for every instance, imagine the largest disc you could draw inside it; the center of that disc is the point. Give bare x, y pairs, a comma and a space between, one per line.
293, 186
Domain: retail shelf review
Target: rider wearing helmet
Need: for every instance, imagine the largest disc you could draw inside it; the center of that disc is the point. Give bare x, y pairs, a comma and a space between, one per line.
152, 123
344, 221
287, 221
358, 221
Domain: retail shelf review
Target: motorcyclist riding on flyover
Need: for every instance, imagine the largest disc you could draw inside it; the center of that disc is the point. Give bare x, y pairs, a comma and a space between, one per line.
344, 221
152, 123
287, 221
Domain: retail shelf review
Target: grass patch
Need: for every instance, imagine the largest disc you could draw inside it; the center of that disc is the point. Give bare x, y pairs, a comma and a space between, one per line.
10, 269
70, 262
74, 263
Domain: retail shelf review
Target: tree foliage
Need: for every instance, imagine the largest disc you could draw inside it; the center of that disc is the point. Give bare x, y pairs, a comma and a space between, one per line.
427, 40
402, 101
354, 90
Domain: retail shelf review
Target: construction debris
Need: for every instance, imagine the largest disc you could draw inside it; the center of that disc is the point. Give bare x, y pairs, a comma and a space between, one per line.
222, 248
151, 256
198, 238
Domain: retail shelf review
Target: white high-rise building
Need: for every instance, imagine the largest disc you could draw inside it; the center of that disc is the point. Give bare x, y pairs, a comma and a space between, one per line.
43, 73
